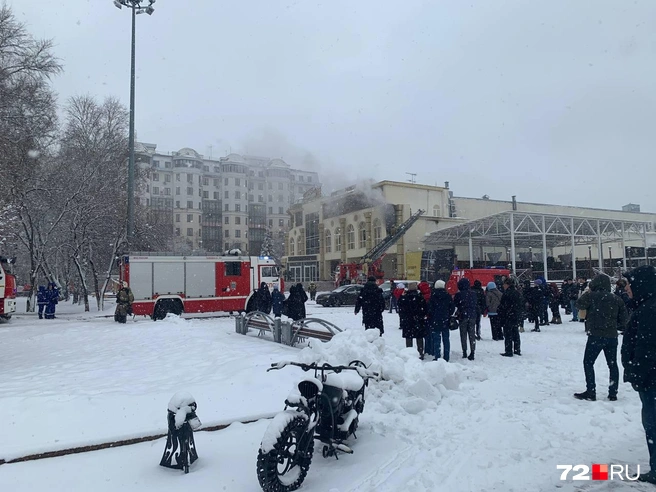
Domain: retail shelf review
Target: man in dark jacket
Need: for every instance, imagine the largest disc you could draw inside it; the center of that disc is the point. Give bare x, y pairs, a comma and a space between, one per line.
606, 314
52, 296
277, 301
573, 296
534, 297
511, 315
440, 309
620, 290
372, 303
639, 354
412, 314
480, 299
466, 302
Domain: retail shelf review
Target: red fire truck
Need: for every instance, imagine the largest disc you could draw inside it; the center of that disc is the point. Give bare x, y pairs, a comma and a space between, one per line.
7, 290
195, 284
485, 275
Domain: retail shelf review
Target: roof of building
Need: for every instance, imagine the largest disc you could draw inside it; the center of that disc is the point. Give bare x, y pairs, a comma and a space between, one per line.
188, 152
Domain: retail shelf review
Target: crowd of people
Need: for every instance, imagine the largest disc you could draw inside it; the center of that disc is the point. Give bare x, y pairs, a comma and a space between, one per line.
47, 299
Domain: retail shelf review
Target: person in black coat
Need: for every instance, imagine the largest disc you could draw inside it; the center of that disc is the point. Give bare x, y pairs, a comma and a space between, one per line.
482, 307
511, 315
277, 301
372, 303
620, 290
303, 297
412, 314
263, 299
440, 309
639, 354
534, 297
52, 296
42, 299
296, 303
466, 302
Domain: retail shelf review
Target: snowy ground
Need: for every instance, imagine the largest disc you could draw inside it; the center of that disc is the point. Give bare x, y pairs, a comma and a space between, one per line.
494, 424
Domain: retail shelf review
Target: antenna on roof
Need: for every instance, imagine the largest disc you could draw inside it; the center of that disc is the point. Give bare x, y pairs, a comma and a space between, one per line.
412, 177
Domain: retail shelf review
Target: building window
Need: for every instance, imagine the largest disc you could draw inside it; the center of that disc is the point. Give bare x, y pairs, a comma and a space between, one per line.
177, 177
216, 195
227, 246
436, 211
237, 195
190, 190
226, 233
226, 208
281, 222
190, 218
177, 190
237, 233
362, 235
260, 186
167, 191
206, 194
226, 194
281, 210
338, 240
279, 186
206, 181
190, 178
270, 186
167, 178
312, 233
270, 198
177, 204
237, 220
206, 169
190, 231
155, 177
226, 220
299, 245
156, 163
270, 210
291, 246
155, 190
167, 164
226, 181
216, 183
270, 222
280, 199
237, 182
309, 179
190, 204
327, 241
237, 208
378, 232
260, 199
177, 217
177, 231
300, 178
350, 237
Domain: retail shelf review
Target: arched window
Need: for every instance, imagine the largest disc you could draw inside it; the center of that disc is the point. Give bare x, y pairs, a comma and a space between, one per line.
437, 212
299, 245
378, 232
338, 240
350, 237
291, 246
362, 235
327, 241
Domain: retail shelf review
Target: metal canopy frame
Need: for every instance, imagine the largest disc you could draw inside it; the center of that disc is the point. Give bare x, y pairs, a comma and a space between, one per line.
533, 229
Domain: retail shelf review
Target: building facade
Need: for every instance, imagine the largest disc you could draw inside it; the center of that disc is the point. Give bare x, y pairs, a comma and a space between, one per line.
342, 227
231, 202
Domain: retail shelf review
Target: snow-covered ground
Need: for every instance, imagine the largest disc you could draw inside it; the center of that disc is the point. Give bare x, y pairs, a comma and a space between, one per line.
494, 424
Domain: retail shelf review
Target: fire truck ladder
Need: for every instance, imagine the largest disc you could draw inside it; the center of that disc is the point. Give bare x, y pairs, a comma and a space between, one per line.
379, 250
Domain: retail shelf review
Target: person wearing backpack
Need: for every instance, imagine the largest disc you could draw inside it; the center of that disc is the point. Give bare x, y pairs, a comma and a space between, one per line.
124, 300
492, 300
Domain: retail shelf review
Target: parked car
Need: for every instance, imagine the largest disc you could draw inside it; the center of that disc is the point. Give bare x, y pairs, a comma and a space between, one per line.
341, 296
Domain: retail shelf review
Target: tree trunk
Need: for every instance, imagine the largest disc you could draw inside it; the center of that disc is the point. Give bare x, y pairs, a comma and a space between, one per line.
83, 284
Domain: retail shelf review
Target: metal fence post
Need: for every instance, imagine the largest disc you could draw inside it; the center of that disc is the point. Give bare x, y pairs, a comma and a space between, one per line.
286, 333
277, 330
238, 324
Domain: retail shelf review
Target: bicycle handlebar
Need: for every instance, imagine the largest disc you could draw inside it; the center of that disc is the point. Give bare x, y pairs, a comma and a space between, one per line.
363, 372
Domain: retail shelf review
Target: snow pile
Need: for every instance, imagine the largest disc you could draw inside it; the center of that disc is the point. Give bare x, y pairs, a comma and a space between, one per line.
182, 404
408, 385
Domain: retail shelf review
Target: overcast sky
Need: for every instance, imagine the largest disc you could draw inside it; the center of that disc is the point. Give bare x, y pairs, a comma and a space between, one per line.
552, 101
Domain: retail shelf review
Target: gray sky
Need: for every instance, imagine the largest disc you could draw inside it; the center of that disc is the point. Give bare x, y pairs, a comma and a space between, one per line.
553, 101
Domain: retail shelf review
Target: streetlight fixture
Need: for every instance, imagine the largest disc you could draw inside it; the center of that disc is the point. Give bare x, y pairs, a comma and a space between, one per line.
137, 7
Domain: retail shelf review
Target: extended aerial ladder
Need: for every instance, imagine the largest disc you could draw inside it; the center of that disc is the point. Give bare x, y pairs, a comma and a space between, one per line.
370, 262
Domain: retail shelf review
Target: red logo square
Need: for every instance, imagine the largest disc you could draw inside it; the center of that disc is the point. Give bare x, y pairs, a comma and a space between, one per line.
599, 472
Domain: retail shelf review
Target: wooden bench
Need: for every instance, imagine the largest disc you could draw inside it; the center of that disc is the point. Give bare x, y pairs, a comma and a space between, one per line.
259, 324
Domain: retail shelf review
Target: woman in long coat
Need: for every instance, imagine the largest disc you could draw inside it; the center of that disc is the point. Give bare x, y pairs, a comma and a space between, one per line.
372, 303
412, 314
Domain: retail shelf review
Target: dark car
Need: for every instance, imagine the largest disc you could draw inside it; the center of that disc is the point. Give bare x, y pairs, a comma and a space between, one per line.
341, 296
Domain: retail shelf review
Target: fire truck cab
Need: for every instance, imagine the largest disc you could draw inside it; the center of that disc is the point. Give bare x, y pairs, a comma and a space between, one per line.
195, 284
485, 275
7, 290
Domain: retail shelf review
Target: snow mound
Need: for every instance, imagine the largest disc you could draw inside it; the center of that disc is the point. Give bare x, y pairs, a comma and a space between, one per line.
408, 385
181, 404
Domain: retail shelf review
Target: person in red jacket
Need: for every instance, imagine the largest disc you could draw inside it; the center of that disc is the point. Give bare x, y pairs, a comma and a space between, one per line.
425, 289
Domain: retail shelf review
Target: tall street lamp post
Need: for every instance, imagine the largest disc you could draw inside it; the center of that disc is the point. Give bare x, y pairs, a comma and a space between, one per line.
137, 7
